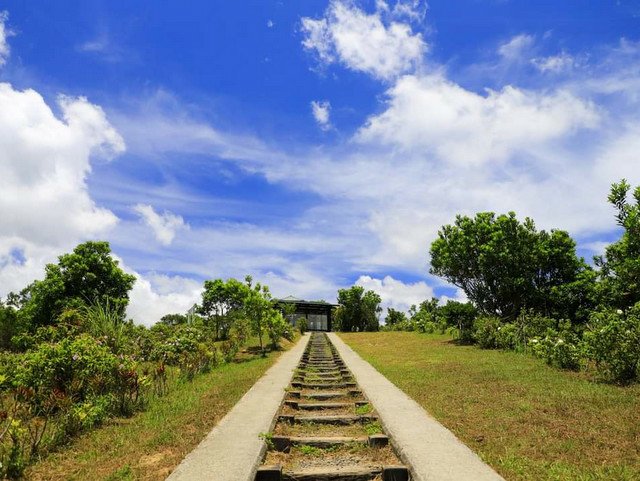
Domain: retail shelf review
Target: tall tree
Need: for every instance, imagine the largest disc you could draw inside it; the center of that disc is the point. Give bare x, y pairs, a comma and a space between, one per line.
222, 302
620, 265
358, 310
394, 317
504, 266
88, 275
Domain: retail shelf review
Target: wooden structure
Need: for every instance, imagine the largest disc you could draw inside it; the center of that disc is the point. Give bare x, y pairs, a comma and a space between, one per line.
317, 313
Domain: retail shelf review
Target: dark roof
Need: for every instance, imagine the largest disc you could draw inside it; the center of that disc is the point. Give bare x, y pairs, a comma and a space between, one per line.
302, 302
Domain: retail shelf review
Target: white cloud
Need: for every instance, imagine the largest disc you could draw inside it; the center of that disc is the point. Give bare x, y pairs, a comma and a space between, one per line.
321, 111
45, 161
155, 295
5, 33
363, 42
458, 126
555, 63
164, 225
517, 48
395, 293
270, 23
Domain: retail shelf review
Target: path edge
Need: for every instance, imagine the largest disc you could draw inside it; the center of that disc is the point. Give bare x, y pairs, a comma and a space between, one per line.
233, 450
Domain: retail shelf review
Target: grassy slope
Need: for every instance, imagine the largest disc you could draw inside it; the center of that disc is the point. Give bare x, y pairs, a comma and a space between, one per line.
152, 443
527, 420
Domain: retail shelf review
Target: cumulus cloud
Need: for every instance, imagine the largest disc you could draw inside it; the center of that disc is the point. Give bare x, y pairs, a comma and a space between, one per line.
441, 118
155, 295
164, 225
45, 161
395, 293
363, 42
5, 33
321, 111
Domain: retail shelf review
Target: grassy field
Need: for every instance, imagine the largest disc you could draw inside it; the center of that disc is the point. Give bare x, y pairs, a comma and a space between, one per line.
151, 444
527, 420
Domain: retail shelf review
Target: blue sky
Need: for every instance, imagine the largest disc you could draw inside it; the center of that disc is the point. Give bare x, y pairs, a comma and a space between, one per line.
311, 144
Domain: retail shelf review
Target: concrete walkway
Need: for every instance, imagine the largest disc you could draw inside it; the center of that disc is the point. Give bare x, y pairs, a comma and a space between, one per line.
431, 451
233, 450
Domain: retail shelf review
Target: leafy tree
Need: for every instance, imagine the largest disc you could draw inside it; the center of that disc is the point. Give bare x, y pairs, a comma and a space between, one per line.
504, 266
358, 310
87, 275
461, 316
173, 319
221, 301
258, 309
9, 325
620, 266
394, 317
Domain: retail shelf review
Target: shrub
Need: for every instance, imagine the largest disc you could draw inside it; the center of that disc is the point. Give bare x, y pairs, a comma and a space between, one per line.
558, 352
75, 370
506, 336
302, 325
612, 341
486, 331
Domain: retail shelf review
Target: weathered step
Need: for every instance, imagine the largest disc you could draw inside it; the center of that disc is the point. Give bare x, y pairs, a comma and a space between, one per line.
320, 385
353, 473
318, 406
283, 443
343, 419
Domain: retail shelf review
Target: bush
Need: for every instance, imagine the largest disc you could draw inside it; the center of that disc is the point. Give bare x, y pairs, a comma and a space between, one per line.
73, 371
486, 332
612, 341
302, 325
558, 352
506, 336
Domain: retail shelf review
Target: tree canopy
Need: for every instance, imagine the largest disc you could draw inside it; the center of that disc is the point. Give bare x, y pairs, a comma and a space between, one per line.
87, 275
620, 265
358, 310
503, 265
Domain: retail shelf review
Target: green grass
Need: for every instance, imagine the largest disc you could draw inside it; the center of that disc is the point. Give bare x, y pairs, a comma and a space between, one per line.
527, 420
153, 442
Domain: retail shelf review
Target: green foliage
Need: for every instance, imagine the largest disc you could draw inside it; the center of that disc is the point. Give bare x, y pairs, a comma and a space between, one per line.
358, 311
486, 330
620, 266
174, 319
302, 325
394, 318
612, 341
502, 265
87, 275
461, 316
222, 303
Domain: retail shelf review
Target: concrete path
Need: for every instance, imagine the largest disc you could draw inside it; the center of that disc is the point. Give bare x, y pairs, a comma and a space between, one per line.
431, 451
233, 450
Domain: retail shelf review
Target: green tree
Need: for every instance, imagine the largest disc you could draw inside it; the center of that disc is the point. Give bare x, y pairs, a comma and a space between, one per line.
358, 310
461, 316
620, 266
504, 266
88, 275
221, 303
258, 309
394, 317
173, 319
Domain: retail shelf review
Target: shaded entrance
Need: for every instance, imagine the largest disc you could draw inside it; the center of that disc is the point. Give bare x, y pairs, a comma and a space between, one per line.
317, 313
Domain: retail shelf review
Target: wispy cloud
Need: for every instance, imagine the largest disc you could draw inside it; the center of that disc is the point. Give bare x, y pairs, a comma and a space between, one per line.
321, 110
